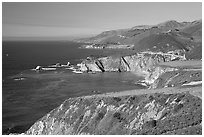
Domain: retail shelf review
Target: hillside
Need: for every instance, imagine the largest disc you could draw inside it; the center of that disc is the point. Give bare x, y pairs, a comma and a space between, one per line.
137, 114
167, 36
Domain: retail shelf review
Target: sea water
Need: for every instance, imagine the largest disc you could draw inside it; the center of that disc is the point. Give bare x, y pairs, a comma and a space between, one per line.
28, 95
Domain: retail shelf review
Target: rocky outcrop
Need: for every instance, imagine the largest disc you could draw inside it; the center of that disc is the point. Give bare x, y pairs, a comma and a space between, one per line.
38, 68
156, 113
144, 63
155, 74
141, 62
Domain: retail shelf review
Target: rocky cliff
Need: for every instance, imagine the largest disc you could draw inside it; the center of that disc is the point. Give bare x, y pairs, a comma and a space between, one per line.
144, 63
172, 111
139, 62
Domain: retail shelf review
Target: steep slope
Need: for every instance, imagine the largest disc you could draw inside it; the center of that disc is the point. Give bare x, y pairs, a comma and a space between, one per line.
172, 111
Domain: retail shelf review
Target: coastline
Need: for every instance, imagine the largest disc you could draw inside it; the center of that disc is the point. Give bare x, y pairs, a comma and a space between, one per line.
77, 115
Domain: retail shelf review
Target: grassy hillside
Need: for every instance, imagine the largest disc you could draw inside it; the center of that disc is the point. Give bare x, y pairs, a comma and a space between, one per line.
167, 36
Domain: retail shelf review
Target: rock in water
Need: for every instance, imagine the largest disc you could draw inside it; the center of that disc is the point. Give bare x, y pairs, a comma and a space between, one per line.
68, 63
38, 68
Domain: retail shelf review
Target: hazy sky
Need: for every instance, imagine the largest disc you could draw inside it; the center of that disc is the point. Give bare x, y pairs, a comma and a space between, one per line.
78, 19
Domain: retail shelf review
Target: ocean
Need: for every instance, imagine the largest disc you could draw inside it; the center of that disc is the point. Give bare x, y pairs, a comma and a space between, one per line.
28, 95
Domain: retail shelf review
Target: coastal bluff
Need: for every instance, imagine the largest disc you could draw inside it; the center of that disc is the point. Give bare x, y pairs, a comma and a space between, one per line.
143, 63
158, 111
139, 62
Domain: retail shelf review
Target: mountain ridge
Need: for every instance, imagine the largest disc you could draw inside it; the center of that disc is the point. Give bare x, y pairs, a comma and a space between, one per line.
166, 36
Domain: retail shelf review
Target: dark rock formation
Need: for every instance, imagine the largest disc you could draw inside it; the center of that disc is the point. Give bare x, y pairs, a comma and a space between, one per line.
38, 68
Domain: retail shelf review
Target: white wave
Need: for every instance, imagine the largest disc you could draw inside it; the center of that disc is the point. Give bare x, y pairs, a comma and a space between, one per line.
71, 68
48, 68
17, 79
78, 72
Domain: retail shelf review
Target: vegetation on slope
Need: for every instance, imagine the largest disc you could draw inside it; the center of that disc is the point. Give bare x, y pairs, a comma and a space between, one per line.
155, 113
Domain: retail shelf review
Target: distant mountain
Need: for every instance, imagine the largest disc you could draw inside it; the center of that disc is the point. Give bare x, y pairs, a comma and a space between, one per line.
166, 36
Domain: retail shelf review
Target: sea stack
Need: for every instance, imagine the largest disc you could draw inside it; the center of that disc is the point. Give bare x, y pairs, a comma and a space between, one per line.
38, 68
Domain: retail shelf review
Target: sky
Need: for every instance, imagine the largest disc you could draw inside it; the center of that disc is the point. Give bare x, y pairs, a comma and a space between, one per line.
68, 19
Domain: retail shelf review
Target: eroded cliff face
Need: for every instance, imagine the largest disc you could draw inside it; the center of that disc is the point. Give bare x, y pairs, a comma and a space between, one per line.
153, 75
144, 64
140, 63
157, 113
